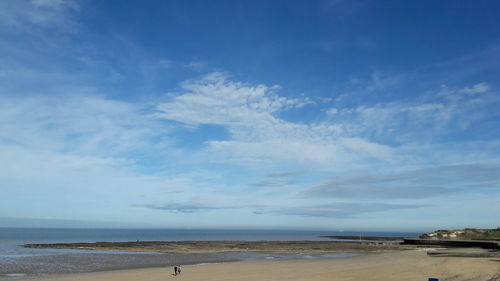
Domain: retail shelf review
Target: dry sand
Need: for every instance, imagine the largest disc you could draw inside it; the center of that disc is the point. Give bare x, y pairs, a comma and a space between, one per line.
394, 266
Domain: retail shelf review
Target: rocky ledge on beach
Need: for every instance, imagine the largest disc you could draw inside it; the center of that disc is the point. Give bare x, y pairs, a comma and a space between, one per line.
312, 247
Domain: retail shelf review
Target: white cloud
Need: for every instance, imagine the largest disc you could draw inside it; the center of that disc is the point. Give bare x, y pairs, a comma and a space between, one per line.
332, 111
89, 143
55, 3
218, 101
165, 63
85, 154
379, 82
424, 107
28, 16
431, 116
258, 135
349, 138
68, 186
194, 65
476, 89
370, 149
81, 124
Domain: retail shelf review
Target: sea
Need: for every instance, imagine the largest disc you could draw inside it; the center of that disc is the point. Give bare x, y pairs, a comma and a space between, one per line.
19, 262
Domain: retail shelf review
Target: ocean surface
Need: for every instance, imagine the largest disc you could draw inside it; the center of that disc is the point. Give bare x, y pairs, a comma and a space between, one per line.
17, 261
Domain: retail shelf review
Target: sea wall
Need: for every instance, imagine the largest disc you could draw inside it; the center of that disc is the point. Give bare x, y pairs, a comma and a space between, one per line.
452, 243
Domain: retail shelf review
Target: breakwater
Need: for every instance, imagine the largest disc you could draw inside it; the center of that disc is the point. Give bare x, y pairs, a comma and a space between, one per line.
452, 243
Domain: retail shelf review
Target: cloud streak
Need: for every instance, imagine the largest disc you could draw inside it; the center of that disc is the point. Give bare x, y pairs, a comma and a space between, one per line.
31, 16
277, 180
476, 89
329, 210
415, 184
431, 117
174, 207
336, 210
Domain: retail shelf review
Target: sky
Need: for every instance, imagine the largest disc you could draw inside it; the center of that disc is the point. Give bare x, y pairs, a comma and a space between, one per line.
321, 115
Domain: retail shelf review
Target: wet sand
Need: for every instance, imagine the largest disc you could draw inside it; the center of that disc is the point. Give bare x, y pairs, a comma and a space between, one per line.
392, 266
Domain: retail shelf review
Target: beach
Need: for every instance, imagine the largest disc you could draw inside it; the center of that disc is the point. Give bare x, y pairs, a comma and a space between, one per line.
55, 252
398, 265
62, 257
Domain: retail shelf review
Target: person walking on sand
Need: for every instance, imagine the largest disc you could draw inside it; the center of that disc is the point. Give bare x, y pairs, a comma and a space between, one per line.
179, 270
175, 270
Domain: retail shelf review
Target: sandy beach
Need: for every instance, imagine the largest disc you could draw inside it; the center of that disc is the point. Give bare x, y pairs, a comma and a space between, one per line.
401, 265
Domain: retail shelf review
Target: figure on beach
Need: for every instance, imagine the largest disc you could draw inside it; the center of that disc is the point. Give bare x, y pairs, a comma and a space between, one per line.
177, 270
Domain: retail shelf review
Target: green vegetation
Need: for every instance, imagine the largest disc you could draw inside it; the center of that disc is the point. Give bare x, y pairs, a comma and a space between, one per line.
468, 233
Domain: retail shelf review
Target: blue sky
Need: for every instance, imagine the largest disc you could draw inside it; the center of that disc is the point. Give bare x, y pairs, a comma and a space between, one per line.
366, 115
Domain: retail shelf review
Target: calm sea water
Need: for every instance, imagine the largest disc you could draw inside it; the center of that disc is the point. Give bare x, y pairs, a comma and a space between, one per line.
16, 261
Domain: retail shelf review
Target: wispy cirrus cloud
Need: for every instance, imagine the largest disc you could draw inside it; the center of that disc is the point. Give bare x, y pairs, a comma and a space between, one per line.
432, 116
189, 207
358, 136
30, 16
329, 210
258, 134
336, 209
277, 180
194, 65
77, 124
414, 184
85, 127
86, 146
284, 174
476, 89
